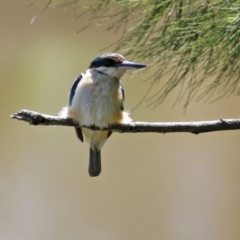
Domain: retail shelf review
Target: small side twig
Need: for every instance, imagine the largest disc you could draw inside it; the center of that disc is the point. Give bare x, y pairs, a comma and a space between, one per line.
35, 118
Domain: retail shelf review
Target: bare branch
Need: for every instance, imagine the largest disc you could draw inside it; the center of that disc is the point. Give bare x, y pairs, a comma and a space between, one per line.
35, 118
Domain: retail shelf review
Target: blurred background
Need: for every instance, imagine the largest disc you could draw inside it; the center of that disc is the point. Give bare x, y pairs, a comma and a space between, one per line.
153, 186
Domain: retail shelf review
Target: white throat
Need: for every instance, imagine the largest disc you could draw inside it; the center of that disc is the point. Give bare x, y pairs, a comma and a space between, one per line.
111, 72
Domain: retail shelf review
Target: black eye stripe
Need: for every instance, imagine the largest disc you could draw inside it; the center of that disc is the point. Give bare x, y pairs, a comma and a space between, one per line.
102, 62
107, 60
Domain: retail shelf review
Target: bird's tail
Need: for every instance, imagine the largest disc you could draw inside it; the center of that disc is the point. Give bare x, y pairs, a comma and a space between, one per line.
94, 168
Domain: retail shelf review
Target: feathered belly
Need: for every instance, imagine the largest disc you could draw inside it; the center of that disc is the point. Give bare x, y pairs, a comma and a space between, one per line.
97, 102
93, 105
96, 139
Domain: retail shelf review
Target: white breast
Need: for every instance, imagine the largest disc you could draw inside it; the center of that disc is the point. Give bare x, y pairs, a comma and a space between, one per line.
97, 101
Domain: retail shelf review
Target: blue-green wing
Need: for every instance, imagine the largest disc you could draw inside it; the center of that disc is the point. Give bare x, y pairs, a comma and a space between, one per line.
71, 96
73, 89
123, 97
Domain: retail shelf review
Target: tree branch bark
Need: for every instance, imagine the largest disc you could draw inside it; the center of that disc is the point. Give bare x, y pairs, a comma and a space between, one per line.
35, 118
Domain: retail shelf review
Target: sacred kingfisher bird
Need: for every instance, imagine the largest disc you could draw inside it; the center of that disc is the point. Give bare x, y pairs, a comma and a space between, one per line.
97, 98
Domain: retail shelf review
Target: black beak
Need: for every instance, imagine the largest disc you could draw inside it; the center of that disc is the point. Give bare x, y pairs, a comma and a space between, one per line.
130, 65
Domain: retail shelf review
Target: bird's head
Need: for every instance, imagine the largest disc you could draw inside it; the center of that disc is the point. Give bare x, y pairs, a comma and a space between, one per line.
113, 65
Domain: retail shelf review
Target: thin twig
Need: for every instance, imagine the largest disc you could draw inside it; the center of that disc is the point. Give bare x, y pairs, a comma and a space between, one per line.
35, 118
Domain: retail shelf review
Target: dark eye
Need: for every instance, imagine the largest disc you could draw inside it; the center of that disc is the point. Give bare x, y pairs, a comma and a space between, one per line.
109, 62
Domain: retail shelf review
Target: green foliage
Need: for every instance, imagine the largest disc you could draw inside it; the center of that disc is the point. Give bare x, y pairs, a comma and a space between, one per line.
186, 42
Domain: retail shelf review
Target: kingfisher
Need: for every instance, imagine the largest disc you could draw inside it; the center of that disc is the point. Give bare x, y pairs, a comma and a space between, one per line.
97, 99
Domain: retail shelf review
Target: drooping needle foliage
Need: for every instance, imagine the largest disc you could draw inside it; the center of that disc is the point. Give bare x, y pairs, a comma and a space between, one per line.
192, 46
